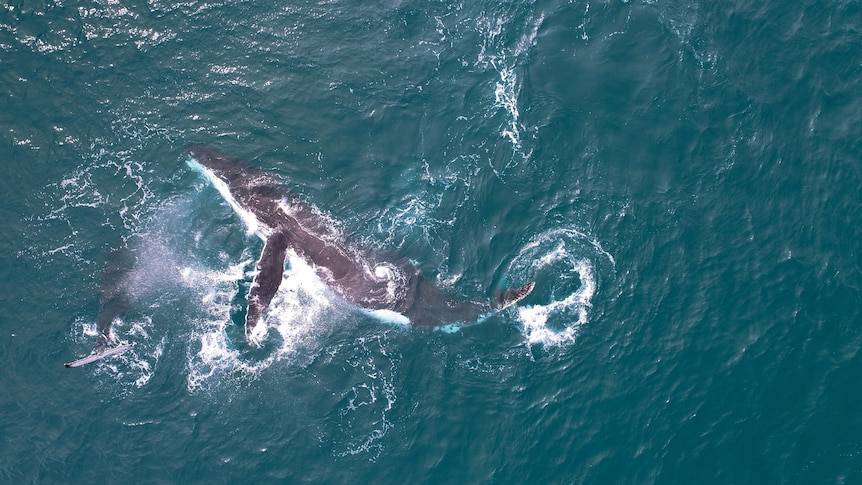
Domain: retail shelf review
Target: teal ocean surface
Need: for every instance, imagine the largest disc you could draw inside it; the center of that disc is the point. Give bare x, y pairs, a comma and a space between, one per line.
681, 179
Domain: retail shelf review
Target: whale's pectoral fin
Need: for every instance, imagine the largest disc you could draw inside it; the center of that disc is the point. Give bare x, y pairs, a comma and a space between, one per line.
270, 268
514, 295
99, 354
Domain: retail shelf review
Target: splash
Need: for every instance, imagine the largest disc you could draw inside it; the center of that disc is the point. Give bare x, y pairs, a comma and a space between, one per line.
297, 315
214, 352
131, 369
563, 264
573, 308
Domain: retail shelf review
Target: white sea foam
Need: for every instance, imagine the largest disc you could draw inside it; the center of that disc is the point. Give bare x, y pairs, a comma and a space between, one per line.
367, 403
82, 191
210, 350
506, 61
388, 316
133, 368
563, 264
506, 95
576, 305
507, 89
297, 314
401, 219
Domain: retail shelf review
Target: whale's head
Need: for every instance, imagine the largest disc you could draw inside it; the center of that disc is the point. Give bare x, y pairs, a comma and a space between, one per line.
237, 175
227, 168
252, 193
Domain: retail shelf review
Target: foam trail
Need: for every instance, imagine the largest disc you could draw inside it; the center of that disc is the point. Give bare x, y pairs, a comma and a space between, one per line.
506, 95
505, 60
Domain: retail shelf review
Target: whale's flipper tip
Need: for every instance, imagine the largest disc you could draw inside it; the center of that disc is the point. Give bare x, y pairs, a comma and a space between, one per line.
514, 295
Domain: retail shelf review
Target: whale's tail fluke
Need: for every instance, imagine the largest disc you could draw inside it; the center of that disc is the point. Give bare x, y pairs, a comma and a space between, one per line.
514, 295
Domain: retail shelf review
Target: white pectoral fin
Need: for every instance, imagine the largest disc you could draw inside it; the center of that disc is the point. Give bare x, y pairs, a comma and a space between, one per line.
99, 355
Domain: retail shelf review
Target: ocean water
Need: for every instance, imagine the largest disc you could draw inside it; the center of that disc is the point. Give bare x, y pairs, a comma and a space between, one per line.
681, 179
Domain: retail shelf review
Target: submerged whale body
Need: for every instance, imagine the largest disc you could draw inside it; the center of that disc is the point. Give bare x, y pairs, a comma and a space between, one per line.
114, 291
286, 223
114, 298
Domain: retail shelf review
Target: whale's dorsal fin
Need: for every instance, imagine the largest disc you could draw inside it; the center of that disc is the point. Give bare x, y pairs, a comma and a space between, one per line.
270, 268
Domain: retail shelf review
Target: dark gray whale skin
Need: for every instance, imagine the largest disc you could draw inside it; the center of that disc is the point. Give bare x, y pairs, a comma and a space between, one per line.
115, 295
114, 292
286, 222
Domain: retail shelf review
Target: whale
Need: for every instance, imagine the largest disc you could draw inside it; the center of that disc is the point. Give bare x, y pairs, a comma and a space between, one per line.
115, 296
382, 285
115, 293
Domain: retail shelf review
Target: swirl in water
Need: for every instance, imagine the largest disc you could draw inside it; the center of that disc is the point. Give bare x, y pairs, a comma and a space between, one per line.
561, 263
